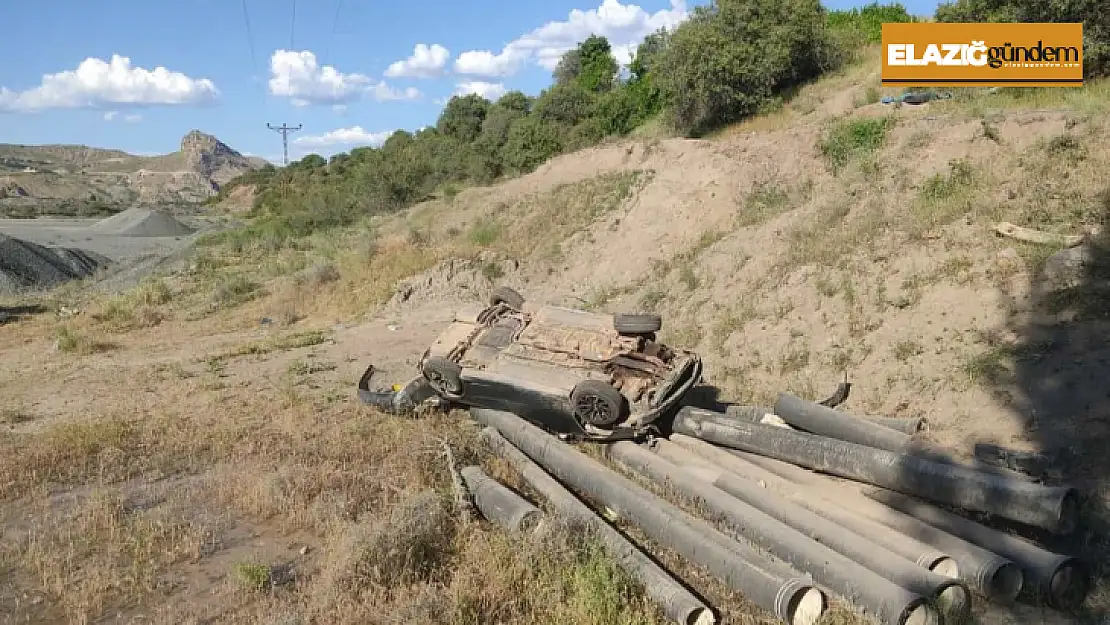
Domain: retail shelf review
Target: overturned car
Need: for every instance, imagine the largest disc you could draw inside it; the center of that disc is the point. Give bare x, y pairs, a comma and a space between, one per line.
580, 374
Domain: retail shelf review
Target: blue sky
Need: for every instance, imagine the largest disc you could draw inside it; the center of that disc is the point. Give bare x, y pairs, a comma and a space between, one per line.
137, 75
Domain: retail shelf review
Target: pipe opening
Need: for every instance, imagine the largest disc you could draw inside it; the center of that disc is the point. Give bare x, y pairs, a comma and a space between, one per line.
1069, 511
701, 616
806, 607
1069, 585
1006, 582
948, 567
920, 613
954, 601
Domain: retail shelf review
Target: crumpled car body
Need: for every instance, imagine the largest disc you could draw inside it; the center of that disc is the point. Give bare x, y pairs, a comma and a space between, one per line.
570, 371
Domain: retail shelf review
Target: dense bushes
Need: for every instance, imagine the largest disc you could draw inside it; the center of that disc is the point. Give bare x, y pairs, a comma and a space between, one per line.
1094, 15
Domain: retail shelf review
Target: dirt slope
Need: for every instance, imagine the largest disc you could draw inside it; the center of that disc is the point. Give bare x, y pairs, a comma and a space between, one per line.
786, 273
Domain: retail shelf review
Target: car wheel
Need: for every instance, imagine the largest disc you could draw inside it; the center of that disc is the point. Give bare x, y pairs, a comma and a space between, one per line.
637, 323
444, 376
507, 296
597, 403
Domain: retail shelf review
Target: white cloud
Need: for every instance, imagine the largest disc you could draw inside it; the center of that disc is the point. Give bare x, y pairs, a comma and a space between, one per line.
297, 76
425, 62
383, 92
97, 83
130, 118
352, 136
488, 90
624, 25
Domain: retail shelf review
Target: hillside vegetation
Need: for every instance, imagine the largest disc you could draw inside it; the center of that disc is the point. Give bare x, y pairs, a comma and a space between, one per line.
669, 89
730, 60
192, 450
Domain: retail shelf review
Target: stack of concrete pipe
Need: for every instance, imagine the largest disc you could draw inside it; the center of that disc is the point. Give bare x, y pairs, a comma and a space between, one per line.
810, 504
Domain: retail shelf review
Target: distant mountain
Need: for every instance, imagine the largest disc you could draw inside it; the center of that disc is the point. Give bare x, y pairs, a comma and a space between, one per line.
80, 180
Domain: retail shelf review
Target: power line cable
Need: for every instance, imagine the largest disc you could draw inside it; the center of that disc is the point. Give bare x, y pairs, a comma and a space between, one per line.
334, 27
250, 37
293, 27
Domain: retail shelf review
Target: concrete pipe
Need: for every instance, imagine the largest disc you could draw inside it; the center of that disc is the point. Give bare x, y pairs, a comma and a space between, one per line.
905, 425
909, 548
679, 604
1052, 508
996, 577
1061, 581
824, 421
498, 503
886, 600
818, 419
791, 597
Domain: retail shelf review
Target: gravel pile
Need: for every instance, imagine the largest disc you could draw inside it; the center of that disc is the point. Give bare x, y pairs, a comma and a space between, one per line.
141, 222
26, 265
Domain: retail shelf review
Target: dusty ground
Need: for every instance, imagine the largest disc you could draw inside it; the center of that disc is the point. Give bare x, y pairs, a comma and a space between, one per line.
192, 451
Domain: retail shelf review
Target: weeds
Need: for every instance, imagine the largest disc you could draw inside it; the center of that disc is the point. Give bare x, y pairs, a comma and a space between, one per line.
853, 139
141, 307
232, 290
765, 200
485, 232
253, 576
70, 340
943, 197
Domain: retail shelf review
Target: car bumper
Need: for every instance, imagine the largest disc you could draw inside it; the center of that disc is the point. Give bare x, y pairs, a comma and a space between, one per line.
397, 399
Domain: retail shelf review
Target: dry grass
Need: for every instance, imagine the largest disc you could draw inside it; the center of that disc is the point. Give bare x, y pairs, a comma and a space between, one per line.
125, 503
144, 502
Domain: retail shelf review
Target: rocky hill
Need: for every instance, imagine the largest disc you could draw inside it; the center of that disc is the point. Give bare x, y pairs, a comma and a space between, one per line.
80, 180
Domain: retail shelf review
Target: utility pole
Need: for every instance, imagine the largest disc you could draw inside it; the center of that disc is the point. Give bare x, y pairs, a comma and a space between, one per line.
284, 131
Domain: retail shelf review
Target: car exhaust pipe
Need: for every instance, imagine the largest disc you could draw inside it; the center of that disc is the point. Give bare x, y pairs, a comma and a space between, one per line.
996, 577
678, 603
1052, 508
770, 585
889, 602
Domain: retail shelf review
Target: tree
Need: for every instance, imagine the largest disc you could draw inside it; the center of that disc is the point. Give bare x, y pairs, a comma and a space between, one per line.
569, 67
462, 117
590, 65
531, 141
1093, 14
733, 56
598, 71
567, 103
309, 161
515, 101
647, 53
642, 88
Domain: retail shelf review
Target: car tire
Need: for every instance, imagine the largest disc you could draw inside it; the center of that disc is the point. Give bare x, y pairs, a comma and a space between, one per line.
444, 376
637, 323
507, 296
597, 403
